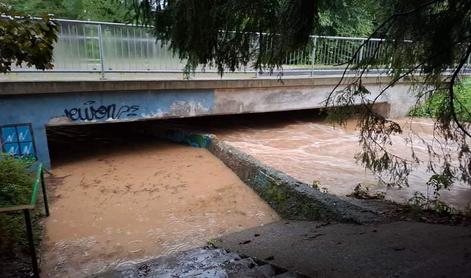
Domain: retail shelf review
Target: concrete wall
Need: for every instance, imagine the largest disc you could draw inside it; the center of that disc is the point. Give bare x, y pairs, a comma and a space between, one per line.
66, 103
290, 198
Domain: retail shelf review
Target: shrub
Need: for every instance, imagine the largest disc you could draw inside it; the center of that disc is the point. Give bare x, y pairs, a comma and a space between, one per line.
431, 107
15, 189
15, 181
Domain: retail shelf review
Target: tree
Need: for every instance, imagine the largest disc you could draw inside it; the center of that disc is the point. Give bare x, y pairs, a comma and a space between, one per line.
99, 10
347, 18
24, 41
39, 7
106, 10
426, 40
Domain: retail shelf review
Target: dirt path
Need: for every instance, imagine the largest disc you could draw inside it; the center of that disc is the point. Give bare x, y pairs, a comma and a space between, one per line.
135, 202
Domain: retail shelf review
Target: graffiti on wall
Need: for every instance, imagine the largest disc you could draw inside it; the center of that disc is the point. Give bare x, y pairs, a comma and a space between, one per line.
90, 111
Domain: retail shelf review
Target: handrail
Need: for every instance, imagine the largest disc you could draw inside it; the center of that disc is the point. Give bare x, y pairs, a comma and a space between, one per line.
106, 47
38, 180
36, 185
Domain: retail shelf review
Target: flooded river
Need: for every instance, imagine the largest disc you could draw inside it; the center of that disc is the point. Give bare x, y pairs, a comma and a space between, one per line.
118, 197
312, 150
115, 202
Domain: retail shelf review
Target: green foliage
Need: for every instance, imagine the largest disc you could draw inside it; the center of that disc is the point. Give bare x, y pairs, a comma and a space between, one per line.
363, 192
347, 17
99, 10
434, 104
15, 181
105, 10
71, 9
419, 201
13, 234
38, 7
24, 40
422, 40
15, 189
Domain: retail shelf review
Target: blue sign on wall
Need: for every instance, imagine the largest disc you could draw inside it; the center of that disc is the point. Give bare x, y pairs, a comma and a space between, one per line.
17, 140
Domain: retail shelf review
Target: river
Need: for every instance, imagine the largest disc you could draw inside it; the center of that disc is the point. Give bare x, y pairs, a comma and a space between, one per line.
311, 149
119, 198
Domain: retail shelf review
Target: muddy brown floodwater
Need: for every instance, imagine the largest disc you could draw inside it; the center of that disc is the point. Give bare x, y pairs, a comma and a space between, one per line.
314, 150
135, 201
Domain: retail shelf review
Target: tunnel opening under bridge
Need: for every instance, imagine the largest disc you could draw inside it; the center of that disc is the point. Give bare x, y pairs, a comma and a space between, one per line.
69, 142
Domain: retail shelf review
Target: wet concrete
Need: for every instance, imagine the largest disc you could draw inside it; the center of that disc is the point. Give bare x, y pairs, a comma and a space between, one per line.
318, 249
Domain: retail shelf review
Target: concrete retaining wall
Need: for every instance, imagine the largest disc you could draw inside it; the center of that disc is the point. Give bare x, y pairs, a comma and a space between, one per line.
289, 197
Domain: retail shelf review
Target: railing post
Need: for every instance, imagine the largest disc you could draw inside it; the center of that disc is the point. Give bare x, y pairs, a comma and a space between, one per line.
43, 186
100, 46
32, 249
360, 55
313, 56
257, 50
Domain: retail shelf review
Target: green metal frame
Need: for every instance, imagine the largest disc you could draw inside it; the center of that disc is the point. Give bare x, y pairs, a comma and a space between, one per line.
38, 181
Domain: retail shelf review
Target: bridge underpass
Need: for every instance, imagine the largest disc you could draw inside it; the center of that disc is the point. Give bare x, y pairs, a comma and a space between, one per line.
28, 107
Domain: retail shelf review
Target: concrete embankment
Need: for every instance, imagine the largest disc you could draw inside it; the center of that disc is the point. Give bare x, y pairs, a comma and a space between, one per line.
398, 249
289, 197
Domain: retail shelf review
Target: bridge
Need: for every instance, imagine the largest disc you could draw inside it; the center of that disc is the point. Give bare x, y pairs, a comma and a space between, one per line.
108, 72
28, 107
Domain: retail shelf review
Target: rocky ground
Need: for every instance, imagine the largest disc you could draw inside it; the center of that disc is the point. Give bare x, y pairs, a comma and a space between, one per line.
201, 262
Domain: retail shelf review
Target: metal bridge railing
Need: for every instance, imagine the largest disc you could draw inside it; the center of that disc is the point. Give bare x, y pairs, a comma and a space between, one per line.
86, 46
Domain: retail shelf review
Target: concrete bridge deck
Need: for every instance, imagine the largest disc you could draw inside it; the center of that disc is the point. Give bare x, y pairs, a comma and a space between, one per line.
27, 107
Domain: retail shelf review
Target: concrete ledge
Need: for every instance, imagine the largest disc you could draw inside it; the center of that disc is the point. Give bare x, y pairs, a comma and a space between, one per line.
290, 198
94, 86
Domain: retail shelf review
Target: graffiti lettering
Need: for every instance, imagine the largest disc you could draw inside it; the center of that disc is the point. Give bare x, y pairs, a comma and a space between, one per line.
90, 112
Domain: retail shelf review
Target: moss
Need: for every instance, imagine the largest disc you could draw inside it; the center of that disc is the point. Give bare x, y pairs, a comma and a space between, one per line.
285, 202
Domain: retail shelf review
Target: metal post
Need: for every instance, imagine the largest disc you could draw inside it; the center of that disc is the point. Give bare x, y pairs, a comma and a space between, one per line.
360, 56
43, 186
313, 56
32, 249
100, 46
